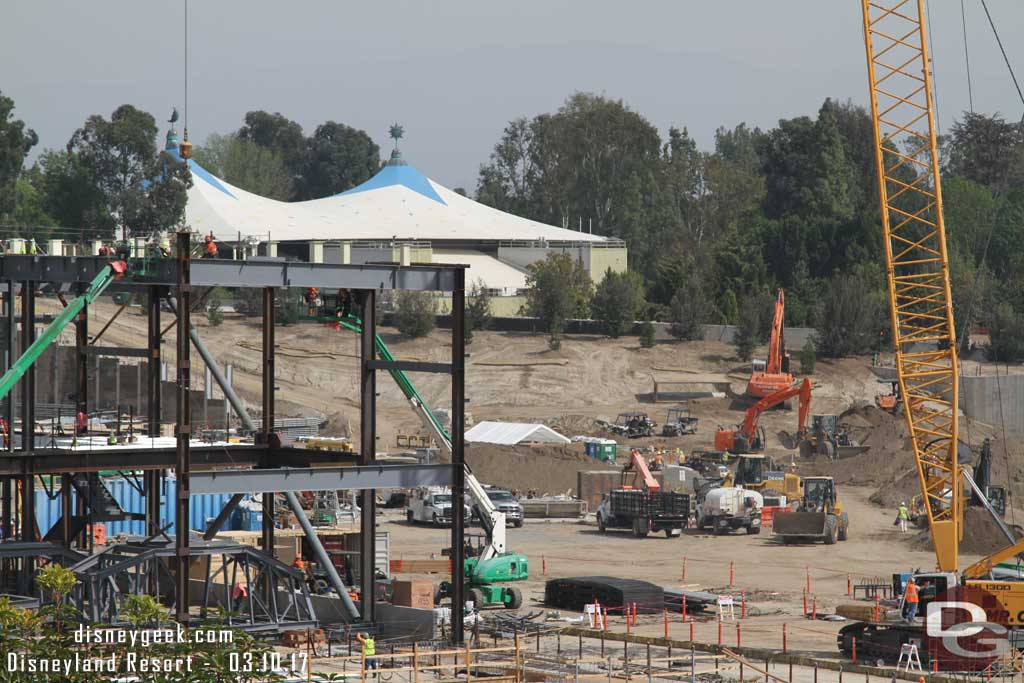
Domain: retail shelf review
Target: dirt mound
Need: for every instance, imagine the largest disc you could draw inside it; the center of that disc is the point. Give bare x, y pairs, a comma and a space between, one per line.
982, 535
888, 466
545, 469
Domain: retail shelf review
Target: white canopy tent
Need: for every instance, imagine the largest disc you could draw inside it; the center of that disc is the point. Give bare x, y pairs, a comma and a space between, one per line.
513, 433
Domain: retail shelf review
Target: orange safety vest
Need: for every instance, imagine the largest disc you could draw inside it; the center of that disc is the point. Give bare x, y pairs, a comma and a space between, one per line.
911, 592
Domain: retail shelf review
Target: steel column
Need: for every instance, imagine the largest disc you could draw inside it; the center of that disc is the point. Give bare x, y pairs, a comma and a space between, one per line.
152, 482
28, 416
66, 511
267, 433
367, 455
9, 312
269, 377
322, 558
184, 425
28, 381
7, 513
458, 453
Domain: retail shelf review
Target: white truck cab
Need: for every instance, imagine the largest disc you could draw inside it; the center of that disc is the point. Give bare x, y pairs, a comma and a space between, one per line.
431, 505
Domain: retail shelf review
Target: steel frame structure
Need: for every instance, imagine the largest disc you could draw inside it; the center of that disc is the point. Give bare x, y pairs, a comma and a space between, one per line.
921, 308
133, 568
178, 277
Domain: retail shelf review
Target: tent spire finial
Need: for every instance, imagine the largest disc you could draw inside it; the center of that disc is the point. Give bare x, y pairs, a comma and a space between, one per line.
395, 133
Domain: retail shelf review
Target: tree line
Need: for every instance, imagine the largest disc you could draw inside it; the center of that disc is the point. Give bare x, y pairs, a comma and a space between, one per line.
711, 233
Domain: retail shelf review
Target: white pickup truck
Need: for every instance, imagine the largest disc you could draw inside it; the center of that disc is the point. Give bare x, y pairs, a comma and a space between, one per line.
432, 505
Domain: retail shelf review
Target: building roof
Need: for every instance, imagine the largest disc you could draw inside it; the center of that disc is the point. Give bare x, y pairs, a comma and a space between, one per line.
399, 203
497, 274
512, 433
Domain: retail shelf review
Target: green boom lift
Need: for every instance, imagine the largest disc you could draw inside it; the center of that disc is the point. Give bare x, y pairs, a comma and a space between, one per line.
487, 573
112, 272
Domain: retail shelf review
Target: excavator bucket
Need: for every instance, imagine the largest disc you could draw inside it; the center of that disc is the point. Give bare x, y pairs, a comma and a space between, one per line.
796, 524
850, 451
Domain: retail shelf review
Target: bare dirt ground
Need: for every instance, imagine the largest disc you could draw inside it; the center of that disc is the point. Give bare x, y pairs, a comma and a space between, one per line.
772, 575
513, 376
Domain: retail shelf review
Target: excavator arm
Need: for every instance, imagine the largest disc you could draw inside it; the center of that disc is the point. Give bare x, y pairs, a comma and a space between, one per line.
777, 342
749, 426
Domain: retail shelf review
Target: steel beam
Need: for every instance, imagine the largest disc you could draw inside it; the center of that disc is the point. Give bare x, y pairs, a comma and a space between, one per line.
54, 461
116, 351
410, 366
358, 477
368, 450
458, 454
225, 513
322, 558
255, 272
184, 425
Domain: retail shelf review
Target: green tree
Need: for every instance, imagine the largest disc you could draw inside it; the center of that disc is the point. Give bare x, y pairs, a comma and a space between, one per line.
478, 309
70, 194
15, 142
558, 288
594, 160
142, 190
849, 317
214, 312
339, 157
1006, 334
808, 358
415, 313
647, 335
986, 150
281, 135
748, 328
246, 165
688, 310
618, 301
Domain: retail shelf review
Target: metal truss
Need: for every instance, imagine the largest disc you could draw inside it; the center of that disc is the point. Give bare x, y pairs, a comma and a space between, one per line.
915, 250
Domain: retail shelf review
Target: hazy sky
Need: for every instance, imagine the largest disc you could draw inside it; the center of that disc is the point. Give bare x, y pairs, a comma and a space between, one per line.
453, 72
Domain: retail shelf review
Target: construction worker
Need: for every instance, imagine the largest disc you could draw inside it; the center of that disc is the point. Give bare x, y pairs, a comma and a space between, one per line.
33, 248
211, 247
910, 600
903, 516
81, 423
369, 650
656, 463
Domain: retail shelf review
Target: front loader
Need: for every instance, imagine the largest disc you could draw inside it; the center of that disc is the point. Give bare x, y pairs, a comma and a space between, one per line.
819, 515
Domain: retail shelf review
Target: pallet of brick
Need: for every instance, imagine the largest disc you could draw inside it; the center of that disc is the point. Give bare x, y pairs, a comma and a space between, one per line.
418, 594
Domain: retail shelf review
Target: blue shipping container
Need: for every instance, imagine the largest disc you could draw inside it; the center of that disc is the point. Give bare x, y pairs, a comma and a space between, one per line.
201, 508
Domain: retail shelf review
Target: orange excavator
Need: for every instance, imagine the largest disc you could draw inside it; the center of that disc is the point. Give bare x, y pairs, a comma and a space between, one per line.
768, 377
748, 437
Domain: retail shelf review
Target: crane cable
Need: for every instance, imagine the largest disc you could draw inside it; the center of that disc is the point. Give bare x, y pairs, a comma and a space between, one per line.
1006, 59
967, 56
988, 240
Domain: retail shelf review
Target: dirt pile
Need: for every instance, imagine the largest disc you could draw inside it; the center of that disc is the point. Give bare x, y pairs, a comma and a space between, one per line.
982, 535
888, 466
545, 469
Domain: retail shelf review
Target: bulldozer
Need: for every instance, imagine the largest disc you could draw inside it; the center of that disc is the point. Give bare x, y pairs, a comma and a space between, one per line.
819, 515
828, 438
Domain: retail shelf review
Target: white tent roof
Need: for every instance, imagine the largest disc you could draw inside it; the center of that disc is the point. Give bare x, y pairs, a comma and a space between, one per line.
398, 203
512, 433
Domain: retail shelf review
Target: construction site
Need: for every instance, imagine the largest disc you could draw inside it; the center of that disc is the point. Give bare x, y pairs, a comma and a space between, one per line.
369, 506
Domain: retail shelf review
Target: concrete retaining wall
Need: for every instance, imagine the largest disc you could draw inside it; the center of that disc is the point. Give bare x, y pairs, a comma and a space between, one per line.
994, 400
